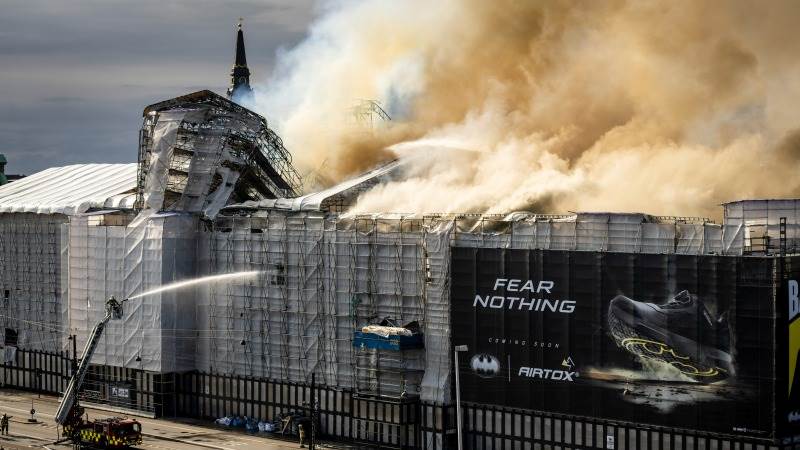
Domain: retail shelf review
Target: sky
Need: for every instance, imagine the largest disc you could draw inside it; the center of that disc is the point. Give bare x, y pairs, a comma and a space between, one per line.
75, 75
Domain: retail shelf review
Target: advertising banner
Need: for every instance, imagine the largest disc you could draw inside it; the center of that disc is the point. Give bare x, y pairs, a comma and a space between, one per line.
673, 340
787, 395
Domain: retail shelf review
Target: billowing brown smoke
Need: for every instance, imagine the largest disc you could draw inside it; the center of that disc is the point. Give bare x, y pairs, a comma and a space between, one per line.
659, 107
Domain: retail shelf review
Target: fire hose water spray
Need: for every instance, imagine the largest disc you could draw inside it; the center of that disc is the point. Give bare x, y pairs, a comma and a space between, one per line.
69, 414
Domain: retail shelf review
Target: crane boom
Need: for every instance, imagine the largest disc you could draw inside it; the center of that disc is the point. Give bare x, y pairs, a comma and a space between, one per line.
63, 414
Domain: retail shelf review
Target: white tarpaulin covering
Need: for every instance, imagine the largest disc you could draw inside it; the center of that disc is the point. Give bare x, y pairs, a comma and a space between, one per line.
33, 249
209, 160
761, 223
606, 232
123, 261
322, 279
31, 252
200, 152
71, 189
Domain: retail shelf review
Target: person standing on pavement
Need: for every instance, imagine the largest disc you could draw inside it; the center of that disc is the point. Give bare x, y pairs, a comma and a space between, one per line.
4, 424
302, 431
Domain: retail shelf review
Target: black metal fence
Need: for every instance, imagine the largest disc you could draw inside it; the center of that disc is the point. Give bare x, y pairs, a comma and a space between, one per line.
497, 428
130, 389
369, 422
410, 424
341, 413
34, 370
49, 373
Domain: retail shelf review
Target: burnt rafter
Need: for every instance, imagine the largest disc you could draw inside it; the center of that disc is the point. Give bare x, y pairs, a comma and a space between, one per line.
198, 151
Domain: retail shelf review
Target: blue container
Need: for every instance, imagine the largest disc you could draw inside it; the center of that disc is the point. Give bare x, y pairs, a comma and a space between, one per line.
394, 342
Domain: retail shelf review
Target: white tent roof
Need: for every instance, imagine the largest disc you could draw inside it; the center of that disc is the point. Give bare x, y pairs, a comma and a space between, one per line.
71, 189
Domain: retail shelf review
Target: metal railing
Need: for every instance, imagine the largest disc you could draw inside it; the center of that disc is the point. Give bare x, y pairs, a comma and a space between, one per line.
375, 422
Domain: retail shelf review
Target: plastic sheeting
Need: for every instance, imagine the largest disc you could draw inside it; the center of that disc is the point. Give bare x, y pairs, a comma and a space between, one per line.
438, 365
200, 152
183, 179
322, 280
31, 300
158, 164
71, 189
123, 261
634, 233
760, 221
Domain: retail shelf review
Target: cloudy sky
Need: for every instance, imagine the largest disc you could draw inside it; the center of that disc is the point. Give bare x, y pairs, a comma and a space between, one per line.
75, 75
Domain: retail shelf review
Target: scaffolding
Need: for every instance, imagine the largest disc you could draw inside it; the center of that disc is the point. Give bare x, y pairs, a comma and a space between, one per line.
31, 307
771, 226
322, 279
157, 332
200, 151
607, 232
369, 114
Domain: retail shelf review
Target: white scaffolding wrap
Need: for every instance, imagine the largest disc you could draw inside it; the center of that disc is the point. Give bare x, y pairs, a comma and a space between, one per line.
34, 212
200, 152
321, 277
164, 138
322, 280
436, 384
120, 261
611, 232
30, 274
760, 222
71, 189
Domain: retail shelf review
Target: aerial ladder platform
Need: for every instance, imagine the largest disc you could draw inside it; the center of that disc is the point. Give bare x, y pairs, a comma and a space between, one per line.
100, 433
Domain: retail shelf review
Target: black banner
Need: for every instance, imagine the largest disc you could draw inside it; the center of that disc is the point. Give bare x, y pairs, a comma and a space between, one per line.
674, 340
787, 395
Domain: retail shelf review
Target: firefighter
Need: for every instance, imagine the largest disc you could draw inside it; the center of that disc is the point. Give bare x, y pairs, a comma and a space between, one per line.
302, 430
4, 424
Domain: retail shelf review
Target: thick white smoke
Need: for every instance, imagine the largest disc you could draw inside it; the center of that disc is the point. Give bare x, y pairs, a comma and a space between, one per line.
659, 107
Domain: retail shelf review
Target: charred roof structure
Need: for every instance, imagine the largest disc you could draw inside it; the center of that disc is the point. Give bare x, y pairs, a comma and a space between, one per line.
201, 151
335, 199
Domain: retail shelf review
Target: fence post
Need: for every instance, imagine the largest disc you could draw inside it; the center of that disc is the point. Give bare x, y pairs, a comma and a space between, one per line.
313, 415
352, 414
444, 426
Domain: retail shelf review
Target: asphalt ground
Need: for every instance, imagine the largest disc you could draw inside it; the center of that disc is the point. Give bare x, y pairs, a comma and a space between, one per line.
158, 434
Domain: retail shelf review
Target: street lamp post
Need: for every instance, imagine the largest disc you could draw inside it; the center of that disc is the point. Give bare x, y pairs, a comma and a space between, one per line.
74, 365
458, 349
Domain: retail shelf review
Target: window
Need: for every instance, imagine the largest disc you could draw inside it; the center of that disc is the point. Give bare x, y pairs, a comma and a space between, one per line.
11, 337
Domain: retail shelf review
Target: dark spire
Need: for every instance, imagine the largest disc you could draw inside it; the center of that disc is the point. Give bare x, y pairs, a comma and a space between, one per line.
240, 74
241, 58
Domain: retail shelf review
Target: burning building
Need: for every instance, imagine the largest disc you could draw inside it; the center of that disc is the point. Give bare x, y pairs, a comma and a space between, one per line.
334, 293
589, 330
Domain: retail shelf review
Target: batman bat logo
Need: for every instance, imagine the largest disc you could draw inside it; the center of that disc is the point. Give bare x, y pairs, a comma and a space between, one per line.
485, 365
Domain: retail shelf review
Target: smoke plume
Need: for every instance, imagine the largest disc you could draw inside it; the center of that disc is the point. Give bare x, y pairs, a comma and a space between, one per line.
658, 107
